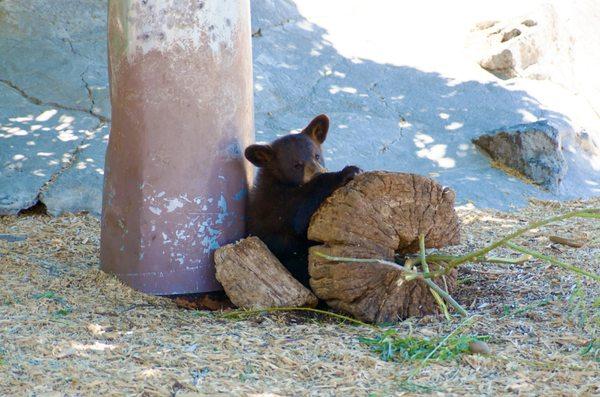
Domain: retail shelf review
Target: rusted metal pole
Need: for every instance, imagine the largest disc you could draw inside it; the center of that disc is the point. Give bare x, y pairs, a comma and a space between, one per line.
175, 179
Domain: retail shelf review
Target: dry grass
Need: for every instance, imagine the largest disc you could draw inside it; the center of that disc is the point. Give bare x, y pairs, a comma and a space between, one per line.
67, 327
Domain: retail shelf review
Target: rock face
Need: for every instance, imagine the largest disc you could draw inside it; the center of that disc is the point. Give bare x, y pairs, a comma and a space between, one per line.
253, 278
517, 47
502, 64
54, 105
525, 46
532, 149
377, 216
393, 107
79, 187
554, 40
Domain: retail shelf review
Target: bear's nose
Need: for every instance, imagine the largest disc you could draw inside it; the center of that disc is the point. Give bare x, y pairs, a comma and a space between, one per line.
311, 170
319, 168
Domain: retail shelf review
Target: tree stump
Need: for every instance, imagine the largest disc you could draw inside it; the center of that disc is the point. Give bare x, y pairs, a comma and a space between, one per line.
376, 216
253, 278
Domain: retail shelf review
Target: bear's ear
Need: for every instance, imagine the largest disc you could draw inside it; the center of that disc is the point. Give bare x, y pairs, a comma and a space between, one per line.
317, 129
259, 155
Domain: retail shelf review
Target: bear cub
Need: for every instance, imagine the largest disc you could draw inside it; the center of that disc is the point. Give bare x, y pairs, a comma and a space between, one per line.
290, 185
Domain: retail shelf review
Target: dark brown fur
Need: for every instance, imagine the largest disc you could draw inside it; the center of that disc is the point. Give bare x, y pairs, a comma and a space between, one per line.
290, 186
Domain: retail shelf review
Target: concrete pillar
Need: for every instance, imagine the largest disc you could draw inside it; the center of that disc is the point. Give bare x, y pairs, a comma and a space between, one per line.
175, 179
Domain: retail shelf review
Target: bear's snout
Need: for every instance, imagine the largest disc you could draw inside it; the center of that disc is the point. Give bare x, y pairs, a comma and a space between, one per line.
311, 170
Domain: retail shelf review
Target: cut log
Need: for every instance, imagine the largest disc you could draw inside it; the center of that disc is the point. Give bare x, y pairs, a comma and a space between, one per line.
253, 278
379, 215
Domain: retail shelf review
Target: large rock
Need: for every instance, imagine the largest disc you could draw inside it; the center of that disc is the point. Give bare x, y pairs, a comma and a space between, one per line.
53, 99
555, 41
37, 144
517, 46
79, 186
532, 149
526, 46
55, 51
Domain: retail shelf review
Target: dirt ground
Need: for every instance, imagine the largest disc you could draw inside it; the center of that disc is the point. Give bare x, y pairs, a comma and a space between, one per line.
67, 328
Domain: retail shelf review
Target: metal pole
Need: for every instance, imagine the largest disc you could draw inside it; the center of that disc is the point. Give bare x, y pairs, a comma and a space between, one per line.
175, 179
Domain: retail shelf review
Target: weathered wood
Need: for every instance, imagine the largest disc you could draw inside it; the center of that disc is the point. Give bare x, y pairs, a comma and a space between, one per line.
379, 215
253, 278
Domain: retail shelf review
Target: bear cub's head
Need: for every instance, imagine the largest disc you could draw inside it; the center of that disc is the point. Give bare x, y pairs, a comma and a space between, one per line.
293, 159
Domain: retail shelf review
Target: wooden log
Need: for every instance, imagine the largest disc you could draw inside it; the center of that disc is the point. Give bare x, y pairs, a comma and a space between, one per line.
379, 215
253, 278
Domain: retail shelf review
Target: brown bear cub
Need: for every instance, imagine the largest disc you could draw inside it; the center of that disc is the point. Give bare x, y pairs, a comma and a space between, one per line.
290, 185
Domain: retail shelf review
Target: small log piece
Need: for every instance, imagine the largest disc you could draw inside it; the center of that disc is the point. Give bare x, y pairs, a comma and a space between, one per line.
376, 216
253, 278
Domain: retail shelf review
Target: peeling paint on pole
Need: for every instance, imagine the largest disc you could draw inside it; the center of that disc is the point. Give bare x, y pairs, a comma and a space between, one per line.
181, 94
161, 25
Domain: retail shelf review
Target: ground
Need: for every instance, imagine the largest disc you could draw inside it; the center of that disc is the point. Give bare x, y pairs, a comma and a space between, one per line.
404, 90
70, 329
401, 83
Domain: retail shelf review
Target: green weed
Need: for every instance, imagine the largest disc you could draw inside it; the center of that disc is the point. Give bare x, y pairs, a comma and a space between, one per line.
592, 350
47, 295
63, 312
391, 346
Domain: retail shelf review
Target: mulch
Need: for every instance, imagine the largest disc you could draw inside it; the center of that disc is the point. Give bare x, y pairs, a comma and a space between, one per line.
67, 328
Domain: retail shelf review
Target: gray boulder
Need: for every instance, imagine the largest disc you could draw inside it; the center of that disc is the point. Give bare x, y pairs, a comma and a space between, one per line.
532, 149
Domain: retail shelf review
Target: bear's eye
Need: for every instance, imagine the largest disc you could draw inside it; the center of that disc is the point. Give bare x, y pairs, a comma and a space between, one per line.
298, 165
317, 156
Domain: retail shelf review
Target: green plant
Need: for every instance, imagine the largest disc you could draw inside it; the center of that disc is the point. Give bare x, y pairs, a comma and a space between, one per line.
592, 350
507, 312
46, 295
392, 346
576, 304
242, 313
63, 312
